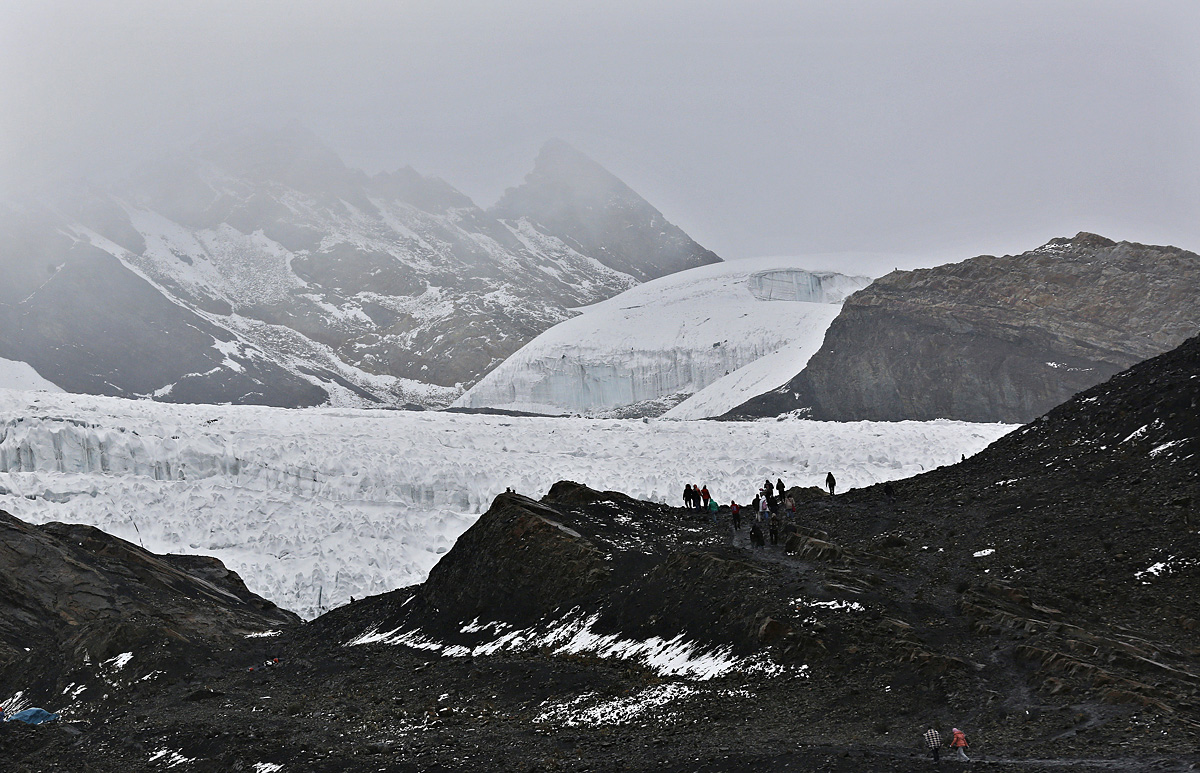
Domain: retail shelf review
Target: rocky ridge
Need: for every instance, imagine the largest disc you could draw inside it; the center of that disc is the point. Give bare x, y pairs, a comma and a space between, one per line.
995, 338
77, 605
258, 268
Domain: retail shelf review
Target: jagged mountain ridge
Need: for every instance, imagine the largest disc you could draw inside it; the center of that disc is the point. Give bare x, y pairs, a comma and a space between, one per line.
995, 338
287, 278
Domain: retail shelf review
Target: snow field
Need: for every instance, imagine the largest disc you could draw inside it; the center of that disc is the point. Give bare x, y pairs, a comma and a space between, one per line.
21, 375
691, 332
313, 506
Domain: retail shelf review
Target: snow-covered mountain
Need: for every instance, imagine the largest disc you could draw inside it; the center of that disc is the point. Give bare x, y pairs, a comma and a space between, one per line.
314, 506
702, 340
260, 269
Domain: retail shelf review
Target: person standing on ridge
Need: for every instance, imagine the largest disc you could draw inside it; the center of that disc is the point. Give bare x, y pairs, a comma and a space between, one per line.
779, 488
958, 742
687, 496
704, 497
830, 483
933, 742
763, 510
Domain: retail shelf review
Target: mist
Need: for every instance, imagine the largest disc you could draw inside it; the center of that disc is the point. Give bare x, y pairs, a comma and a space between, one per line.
906, 134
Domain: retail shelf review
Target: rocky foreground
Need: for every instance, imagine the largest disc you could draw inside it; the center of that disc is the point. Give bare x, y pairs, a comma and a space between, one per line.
1042, 596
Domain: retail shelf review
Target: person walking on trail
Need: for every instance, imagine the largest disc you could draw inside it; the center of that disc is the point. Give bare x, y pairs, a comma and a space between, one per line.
958, 742
704, 498
735, 515
774, 529
695, 497
756, 536
763, 510
830, 483
789, 505
933, 742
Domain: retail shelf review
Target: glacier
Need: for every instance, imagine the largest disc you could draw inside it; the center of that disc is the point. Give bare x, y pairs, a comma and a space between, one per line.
661, 342
314, 506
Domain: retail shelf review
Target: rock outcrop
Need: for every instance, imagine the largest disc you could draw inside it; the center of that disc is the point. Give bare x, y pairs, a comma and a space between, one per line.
995, 339
77, 605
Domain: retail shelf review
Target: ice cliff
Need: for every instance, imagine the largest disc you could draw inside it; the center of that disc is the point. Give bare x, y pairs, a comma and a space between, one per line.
660, 342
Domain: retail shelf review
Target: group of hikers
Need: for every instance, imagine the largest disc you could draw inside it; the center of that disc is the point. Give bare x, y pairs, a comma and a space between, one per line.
771, 508
958, 742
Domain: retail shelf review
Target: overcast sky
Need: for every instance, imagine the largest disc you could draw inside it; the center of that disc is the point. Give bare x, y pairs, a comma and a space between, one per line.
928, 130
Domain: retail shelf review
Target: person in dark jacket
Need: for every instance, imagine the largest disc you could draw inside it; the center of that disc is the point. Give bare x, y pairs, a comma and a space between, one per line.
735, 514
774, 529
933, 742
779, 487
756, 536
830, 483
687, 496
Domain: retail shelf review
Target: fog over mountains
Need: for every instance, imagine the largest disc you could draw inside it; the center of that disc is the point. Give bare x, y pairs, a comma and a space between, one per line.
258, 268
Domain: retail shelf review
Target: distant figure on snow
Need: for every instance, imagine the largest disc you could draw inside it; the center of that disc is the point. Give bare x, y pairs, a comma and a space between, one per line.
958, 742
830, 483
933, 742
756, 536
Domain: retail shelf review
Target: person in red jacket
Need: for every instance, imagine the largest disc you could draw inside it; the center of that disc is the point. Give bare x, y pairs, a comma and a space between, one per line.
958, 742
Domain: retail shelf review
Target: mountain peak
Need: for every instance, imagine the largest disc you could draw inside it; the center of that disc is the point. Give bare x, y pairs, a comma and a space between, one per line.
573, 198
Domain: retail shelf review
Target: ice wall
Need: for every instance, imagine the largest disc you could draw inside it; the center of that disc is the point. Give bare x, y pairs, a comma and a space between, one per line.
313, 506
673, 336
790, 284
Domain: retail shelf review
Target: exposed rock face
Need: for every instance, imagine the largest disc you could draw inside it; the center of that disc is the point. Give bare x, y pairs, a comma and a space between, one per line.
72, 596
996, 339
260, 269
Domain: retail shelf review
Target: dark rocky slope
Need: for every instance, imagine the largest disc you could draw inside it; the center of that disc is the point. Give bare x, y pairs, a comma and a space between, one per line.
1072, 645
995, 339
73, 599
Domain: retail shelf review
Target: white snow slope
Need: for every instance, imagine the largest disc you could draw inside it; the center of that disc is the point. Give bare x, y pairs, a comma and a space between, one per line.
313, 506
675, 336
21, 375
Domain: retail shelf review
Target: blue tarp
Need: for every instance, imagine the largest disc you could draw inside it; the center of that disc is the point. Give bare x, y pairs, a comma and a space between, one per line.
32, 717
